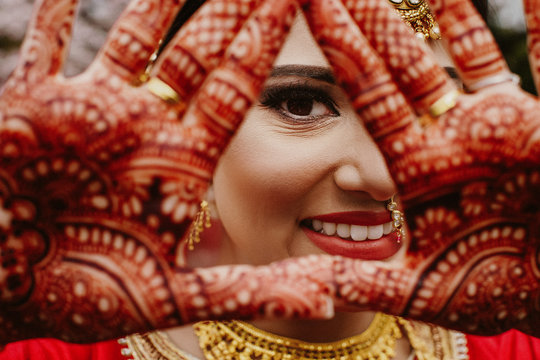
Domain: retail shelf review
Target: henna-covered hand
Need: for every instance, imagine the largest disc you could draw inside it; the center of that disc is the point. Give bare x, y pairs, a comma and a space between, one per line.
99, 178
468, 181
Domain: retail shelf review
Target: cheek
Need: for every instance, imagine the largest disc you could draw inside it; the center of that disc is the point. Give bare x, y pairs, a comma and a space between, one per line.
262, 173
260, 184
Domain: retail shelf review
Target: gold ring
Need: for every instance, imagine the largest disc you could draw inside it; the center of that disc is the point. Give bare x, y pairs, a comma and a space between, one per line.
444, 104
163, 90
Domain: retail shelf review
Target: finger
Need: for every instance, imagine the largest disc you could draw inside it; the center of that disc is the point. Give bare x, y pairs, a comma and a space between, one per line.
470, 43
532, 15
45, 46
373, 285
448, 288
287, 289
199, 46
221, 103
410, 62
362, 73
135, 36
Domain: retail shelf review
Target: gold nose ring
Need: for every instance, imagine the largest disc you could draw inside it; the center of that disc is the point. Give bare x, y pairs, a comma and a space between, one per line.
397, 218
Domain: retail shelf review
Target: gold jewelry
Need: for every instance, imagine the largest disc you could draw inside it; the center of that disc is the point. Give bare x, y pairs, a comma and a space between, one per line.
444, 104
228, 340
145, 76
202, 221
428, 342
151, 346
397, 218
162, 90
417, 15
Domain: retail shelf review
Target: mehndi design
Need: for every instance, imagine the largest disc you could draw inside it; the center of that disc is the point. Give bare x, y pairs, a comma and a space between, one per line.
468, 181
100, 178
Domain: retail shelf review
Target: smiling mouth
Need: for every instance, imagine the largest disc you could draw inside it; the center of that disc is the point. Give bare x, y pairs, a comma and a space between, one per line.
378, 241
351, 232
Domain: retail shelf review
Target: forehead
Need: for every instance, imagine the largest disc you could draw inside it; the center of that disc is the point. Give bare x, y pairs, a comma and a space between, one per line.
300, 47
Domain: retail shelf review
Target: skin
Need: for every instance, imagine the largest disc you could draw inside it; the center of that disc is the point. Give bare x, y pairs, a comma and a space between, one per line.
117, 162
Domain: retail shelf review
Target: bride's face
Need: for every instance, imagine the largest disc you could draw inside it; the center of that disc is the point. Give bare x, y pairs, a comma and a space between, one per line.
302, 175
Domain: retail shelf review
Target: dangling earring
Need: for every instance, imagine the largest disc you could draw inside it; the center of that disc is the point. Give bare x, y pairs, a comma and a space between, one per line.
397, 218
201, 222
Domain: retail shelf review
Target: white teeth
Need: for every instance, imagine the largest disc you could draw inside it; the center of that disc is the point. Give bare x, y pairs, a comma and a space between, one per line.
387, 228
359, 232
329, 228
343, 230
374, 232
353, 232
317, 225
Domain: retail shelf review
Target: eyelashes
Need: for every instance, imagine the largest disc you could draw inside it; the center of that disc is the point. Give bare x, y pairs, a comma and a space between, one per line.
299, 103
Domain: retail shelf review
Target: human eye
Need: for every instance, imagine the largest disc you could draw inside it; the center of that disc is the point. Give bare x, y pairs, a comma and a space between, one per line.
299, 102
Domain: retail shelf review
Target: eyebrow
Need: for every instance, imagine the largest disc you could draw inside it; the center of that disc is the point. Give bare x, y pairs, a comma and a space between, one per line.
325, 74
314, 72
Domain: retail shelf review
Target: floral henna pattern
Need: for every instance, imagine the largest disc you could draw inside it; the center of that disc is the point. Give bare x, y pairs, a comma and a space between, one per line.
370, 87
468, 181
472, 46
238, 291
405, 63
100, 179
200, 45
127, 49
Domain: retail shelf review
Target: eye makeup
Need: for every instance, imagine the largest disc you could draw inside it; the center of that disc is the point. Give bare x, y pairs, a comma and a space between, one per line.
299, 102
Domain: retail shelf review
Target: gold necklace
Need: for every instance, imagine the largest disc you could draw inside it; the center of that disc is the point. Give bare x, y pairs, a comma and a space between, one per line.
429, 343
228, 340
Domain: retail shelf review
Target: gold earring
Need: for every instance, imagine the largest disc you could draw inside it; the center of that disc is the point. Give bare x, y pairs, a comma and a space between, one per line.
397, 218
201, 222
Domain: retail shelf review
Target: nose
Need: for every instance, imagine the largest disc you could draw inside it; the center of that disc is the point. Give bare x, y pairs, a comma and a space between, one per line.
363, 169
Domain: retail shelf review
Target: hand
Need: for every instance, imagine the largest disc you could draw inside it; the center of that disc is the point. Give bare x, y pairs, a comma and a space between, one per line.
468, 180
100, 178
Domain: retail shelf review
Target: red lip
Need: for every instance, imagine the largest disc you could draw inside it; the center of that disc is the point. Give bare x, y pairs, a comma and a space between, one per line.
379, 249
357, 217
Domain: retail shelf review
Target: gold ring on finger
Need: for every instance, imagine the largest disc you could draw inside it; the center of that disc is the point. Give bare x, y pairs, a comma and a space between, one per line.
163, 90
444, 103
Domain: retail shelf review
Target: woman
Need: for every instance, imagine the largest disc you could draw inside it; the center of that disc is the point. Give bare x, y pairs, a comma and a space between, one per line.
302, 108
312, 182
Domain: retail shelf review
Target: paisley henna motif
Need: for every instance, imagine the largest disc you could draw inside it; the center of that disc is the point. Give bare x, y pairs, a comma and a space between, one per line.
99, 178
468, 182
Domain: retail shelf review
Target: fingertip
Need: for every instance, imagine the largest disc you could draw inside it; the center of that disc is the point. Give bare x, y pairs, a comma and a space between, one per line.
136, 35
45, 46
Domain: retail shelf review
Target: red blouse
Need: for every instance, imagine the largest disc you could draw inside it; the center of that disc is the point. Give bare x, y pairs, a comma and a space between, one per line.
511, 345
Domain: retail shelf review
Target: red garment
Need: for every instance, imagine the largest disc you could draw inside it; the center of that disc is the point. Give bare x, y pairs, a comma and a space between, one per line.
511, 345
51, 349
